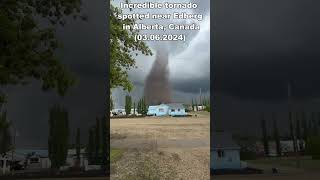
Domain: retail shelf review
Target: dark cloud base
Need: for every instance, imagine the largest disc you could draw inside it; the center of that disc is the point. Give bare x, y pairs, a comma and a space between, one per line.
259, 46
83, 51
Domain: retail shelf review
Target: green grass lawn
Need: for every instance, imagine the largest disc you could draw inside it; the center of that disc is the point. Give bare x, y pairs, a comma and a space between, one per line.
305, 163
115, 155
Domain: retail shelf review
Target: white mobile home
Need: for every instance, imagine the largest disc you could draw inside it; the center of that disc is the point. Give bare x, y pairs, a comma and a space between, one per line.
225, 153
172, 109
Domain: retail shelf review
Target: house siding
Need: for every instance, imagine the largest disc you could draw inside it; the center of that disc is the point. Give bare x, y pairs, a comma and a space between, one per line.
166, 110
177, 112
160, 110
230, 160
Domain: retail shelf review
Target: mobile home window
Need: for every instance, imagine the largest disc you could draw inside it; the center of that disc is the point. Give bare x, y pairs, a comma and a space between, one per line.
220, 153
161, 110
172, 110
178, 109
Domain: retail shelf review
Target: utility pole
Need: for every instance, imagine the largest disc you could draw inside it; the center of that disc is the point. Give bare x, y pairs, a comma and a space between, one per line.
201, 100
13, 146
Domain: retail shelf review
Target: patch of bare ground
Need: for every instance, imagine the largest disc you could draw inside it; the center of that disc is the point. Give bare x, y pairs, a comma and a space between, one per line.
162, 148
291, 176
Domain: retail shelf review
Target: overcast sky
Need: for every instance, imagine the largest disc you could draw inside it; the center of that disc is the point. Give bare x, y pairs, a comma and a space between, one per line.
83, 52
189, 62
259, 46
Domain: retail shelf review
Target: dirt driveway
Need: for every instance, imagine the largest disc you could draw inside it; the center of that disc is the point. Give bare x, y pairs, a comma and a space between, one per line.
177, 148
291, 176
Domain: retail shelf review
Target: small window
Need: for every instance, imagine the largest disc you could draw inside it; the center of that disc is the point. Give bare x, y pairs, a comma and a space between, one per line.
178, 109
161, 110
172, 110
220, 153
34, 160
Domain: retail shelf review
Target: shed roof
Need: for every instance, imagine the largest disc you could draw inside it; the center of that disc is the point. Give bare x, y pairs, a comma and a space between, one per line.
223, 140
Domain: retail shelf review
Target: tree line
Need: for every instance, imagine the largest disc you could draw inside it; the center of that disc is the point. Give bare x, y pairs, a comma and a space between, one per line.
140, 106
203, 101
303, 132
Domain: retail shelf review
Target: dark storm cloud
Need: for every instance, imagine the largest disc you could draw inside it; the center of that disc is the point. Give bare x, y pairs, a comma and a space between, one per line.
260, 45
188, 86
83, 52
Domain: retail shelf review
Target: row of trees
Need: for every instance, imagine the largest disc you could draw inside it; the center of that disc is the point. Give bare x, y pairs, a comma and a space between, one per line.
204, 101
58, 141
140, 107
301, 130
96, 147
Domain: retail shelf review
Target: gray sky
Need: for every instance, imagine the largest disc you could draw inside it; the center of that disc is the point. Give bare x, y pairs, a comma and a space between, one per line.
83, 52
259, 46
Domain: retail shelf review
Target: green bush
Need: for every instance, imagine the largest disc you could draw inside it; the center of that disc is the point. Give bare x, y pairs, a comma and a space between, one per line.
247, 155
313, 147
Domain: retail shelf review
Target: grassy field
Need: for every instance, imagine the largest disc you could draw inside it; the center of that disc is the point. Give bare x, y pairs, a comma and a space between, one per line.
306, 163
292, 176
115, 154
287, 168
161, 147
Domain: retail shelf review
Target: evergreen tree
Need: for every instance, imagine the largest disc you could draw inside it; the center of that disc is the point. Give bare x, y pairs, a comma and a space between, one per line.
97, 139
208, 107
111, 103
292, 136
91, 145
196, 103
104, 144
142, 106
128, 105
314, 124
5, 136
305, 127
145, 107
276, 135
313, 147
298, 132
264, 136
139, 107
310, 128
192, 104
78, 144
134, 108
58, 136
